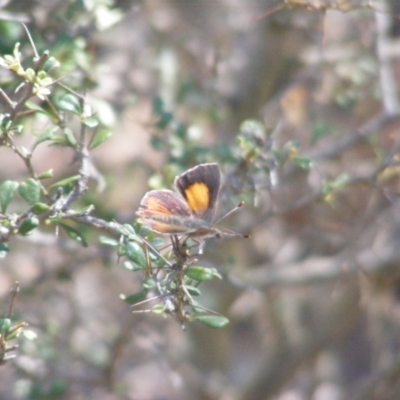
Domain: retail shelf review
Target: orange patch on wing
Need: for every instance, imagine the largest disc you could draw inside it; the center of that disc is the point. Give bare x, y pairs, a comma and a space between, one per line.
198, 197
156, 207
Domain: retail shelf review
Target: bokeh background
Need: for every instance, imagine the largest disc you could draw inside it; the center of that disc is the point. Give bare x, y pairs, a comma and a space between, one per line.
298, 103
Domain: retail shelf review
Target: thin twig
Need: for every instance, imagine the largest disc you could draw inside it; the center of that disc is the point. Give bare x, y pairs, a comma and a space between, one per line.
13, 294
317, 270
387, 78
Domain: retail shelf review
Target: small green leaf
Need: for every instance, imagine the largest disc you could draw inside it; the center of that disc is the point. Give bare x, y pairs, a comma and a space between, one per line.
149, 284
134, 298
3, 250
136, 254
55, 219
303, 162
181, 131
18, 129
164, 121
28, 225
51, 63
341, 181
59, 141
319, 131
158, 105
156, 143
129, 229
46, 175
193, 291
133, 237
30, 75
5, 325
252, 128
90, 122
155, 256
33, 106
200, 274
158, 309
157, 242
70, 103
143, 231
74, 234
46, 135
290, 150
29, 335
69, 135
216, 273
108, 241
40, 208
213, 321
41, 75
100, 137
64, 182
14, 334
30, 191
6, 122
7, 191
131, 266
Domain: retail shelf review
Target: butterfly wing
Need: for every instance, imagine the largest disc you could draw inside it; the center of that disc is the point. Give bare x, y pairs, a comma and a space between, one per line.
164, 212
200, 188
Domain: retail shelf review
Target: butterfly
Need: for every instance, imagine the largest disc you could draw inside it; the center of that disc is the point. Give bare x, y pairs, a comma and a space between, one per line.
189, 213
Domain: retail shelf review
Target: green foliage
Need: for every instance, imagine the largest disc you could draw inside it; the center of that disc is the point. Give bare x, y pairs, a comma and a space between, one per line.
74, 234
201, 274
10, 331
212, 321
56, 390
47, 201
100, 137
7, 191
136, 255
30, 191
331, 187
3, 250
167, 274
70, 103
28, 225
135, 298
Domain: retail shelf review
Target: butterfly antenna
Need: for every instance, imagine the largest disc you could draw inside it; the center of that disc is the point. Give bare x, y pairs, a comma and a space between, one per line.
234, 209
229, 232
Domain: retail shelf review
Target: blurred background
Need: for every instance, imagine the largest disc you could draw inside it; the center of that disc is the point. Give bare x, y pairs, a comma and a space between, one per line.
298, 103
